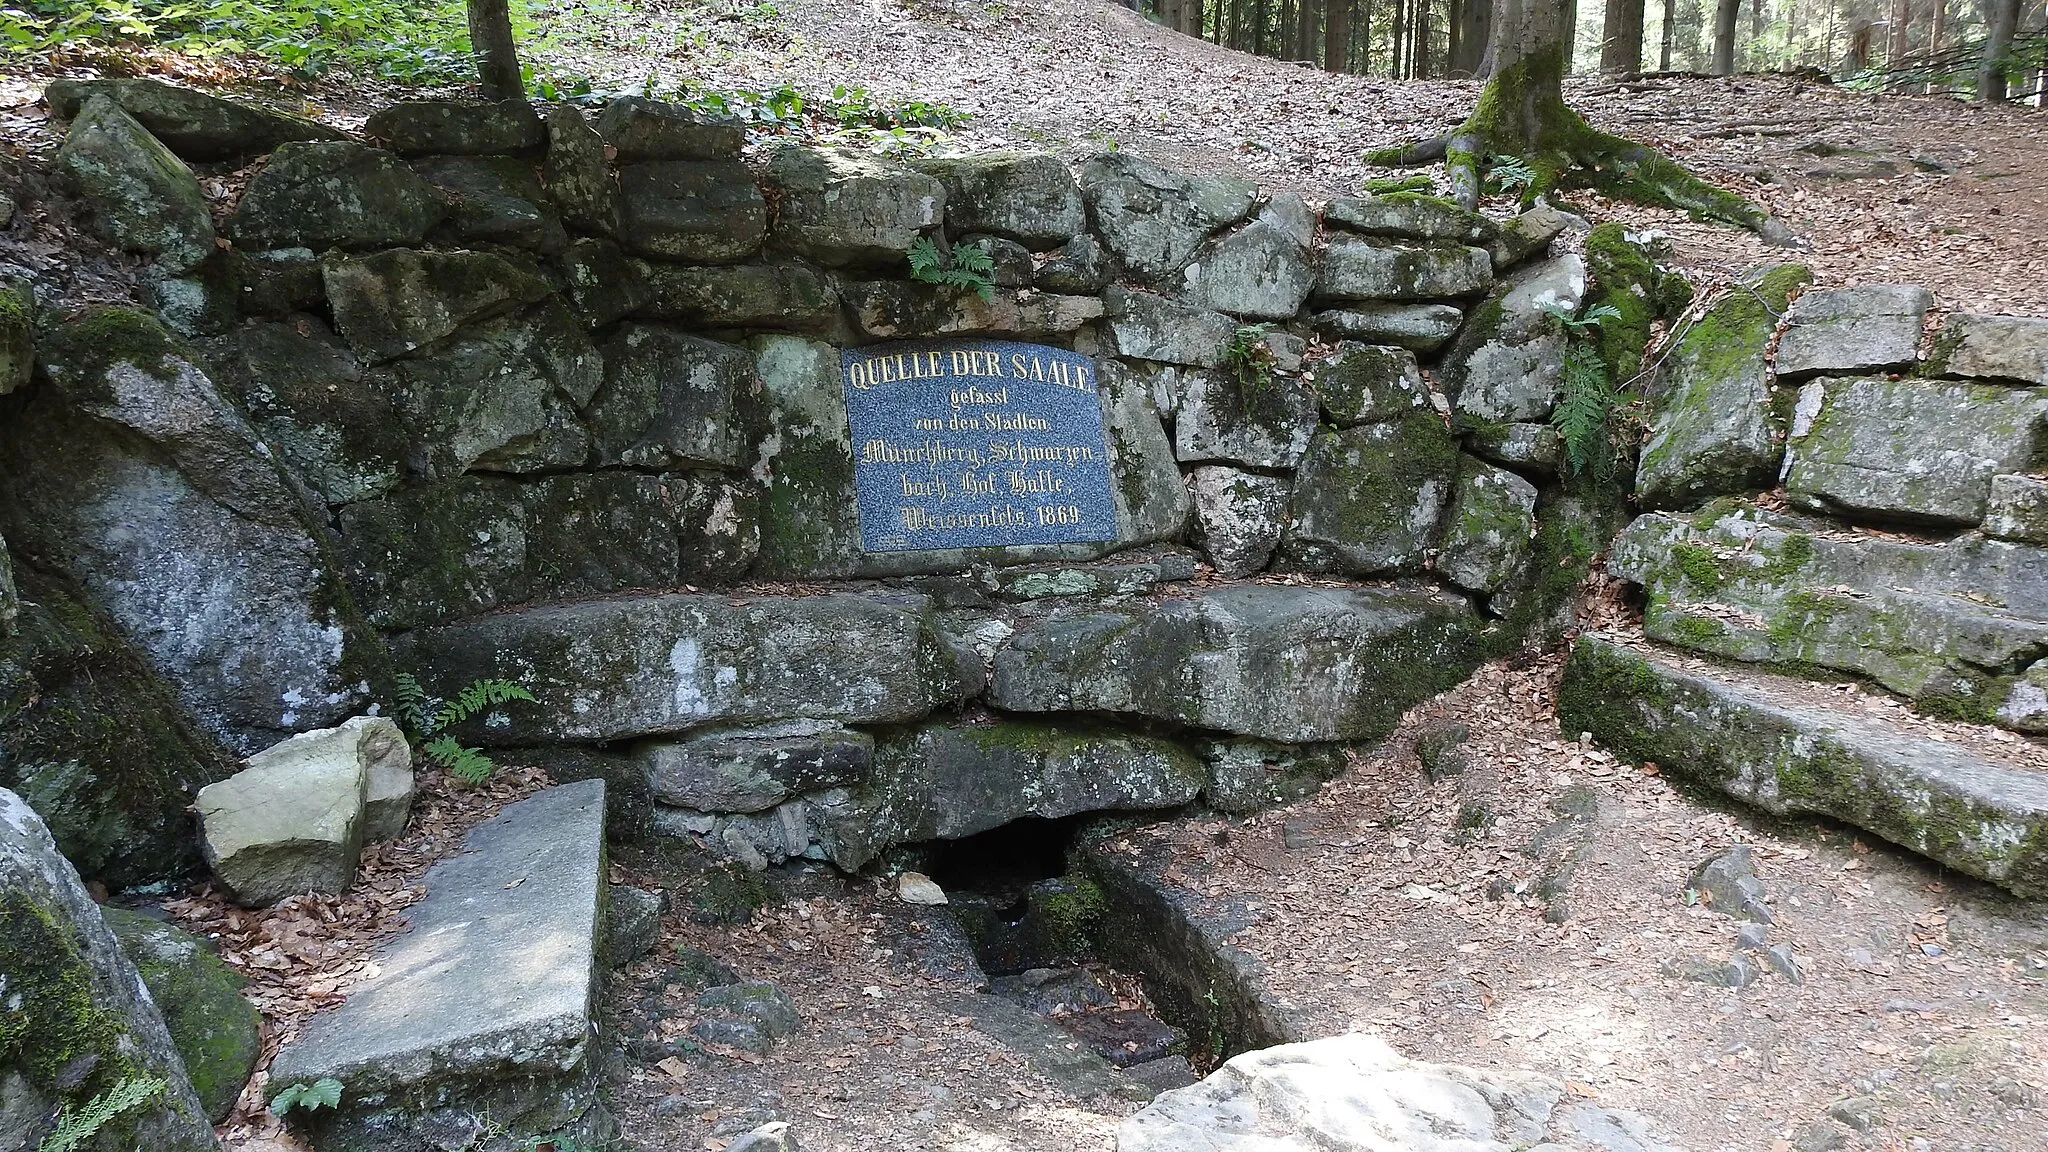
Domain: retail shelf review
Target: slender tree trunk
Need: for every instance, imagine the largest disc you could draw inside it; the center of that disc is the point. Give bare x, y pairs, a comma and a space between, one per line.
497, 57
1670, 26
1308, 16
1897, 44
1337, 36
1725, 12
1475, 24
2000, 19
1398, 40
1857, 58
1621, 38
1755, 54
1420, 55
1571, 34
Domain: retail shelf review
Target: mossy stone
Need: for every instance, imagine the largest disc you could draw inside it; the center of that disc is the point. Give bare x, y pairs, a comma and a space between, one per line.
216, 1030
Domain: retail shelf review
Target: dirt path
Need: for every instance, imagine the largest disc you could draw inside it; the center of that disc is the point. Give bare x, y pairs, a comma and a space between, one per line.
1887, 187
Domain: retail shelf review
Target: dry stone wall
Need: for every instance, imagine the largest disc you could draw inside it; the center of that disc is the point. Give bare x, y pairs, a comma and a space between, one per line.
540, 395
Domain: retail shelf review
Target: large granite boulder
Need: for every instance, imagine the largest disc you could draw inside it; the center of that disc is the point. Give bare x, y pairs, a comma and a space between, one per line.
1286, 664
1031, 199
1714, 429
1868, 328
390, 303
216, 1031
670, 398
1368, 384
1350, 1093
1507, 362
334, 194
752, 769
2011, 348
1909, 449
195, 125
456, 127
1248, 415
1784, 748
1358, 268
135, 476
79, 1020
1262, 271
707, 211
409, 570
1151, 218
1947, 625
1368, 499
95, 741
838, 207
609, 669
138, 196
502, 396
638, 128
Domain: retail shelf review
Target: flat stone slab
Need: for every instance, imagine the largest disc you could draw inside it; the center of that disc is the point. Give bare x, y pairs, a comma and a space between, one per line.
1868, 328
1281, 663
491, 983
1774, 743
638, 666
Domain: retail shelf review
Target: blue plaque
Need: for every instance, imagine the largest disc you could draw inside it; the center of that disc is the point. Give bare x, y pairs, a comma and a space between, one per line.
976, 444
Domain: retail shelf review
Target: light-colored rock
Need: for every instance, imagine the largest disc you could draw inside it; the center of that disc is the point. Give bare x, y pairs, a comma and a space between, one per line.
399, 300
1368, 384
1534, 447
77, 1003
1869, 328
1357, 268
1262, 271
1147, 327
1350, 1093
192, 123
1151, 218
577, 174
1238, 517
640, 666
322, 194
2025, 707
2016, 508
1912, 449
487, 998
1418, 327
138, 196
1487, 531
754, 769
1529, 235
1031, 199
1260, 418
1786, 754
918, 888
2011, 348
703, 211
1410, 216
1507, 362
291, 821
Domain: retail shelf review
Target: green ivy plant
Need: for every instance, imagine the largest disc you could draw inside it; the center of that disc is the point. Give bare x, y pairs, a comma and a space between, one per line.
1587, 398
322, 1093
966, 267
429, 718
75, 1128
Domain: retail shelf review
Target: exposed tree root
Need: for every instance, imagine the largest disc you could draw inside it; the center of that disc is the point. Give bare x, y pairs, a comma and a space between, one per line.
1520, 117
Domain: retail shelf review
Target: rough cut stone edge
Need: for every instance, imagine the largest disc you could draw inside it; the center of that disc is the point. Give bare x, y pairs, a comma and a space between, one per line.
465, 897
1985, 819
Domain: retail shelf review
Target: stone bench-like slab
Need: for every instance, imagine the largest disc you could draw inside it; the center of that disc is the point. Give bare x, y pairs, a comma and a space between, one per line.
482, 1010
1780, 745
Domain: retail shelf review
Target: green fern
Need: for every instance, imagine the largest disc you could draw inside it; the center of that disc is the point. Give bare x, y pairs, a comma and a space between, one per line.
469, 765
476, 696
415, 708
1585, 405
322, 1093
1510, 174
967, 267
430, 718
75, 1128
1247, 357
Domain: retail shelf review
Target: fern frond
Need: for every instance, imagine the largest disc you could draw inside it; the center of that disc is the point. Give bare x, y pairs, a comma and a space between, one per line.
75, 1128
924, 259
1585, 404
476, 696
469, 765
415, 707
974, 259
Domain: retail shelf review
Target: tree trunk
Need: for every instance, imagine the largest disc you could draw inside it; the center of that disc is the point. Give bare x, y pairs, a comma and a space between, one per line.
1475, 26
1725, 12
1398, 43
1621, 38
1337, 36
497, 57
2000, 18
1670, 26
1896, 43
1420, 54
1857, 58
1571, 34
1307, 16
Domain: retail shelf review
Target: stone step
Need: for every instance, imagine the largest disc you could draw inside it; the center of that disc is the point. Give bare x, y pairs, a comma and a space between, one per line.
1953, 626
482, 1012
1974, 799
